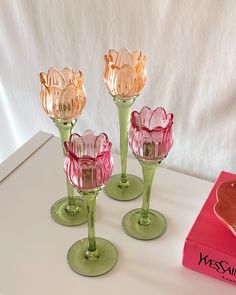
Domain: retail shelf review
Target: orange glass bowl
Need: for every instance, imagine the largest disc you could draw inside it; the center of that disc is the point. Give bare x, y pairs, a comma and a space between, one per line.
63, 95
124, 73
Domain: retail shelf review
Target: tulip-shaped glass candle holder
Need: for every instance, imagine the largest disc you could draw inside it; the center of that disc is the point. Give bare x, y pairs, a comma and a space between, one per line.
88, 166
63, 98
124, 76
150, 138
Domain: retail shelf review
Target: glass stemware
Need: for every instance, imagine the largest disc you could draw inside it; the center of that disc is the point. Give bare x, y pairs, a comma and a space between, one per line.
124, 76
88, 166
63, 98
150, 138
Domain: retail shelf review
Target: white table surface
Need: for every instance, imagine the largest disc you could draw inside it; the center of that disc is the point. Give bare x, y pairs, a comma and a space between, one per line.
33, 247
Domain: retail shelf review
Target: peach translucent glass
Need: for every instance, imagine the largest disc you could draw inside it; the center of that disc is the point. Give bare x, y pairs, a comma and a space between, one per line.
150, 134
225, 208
89, 163
124, 73
62, 94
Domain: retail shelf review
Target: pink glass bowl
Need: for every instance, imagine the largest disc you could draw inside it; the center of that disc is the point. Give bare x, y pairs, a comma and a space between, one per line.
150, 134
225, 208
124, 73
88, 163
63, 95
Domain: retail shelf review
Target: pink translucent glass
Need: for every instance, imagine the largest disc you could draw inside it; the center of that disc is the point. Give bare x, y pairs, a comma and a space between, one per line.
124, 73
62, 94
88, 163
150, 134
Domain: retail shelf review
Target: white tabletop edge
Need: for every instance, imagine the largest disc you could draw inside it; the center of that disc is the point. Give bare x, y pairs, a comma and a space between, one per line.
23, 153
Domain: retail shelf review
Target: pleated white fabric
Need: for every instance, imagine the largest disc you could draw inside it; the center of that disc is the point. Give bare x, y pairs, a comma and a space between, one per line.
191, 49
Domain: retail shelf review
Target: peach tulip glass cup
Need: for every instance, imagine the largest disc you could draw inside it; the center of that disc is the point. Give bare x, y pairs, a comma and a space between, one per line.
150, 138
63, 98
124, 76
88, 166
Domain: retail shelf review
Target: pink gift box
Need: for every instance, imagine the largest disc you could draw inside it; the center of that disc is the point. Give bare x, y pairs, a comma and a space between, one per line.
210, 247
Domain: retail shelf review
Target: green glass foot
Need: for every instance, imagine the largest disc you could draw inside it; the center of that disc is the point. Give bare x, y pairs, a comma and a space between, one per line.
92, 264
153, 230
115, 191
60, 215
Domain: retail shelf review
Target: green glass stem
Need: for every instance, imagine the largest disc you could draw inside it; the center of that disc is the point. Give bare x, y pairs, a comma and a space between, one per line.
148, 174
65, 130
91, 256
90, 203
124, 110
145, 223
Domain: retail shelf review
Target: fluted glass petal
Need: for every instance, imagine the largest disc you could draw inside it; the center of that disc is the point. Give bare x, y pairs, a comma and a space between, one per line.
125, 81
55, 78
124, 58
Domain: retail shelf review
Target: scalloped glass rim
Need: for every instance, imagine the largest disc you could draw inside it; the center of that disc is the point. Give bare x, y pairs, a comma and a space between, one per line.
113, 63
87, 157
44, 75
221, 210
158, 128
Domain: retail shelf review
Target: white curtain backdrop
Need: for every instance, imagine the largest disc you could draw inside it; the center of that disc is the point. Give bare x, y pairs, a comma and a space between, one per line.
191, 49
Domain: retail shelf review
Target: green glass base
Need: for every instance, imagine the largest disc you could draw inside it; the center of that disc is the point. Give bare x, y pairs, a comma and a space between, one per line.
153, 230
59, 214
92, 265
115, 191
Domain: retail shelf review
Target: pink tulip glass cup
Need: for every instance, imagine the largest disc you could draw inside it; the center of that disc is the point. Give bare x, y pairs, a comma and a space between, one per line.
88, 166
150, 138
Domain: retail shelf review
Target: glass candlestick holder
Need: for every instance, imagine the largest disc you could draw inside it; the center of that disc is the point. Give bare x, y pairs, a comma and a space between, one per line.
124, 77
150, 139
63, 98
88, 166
